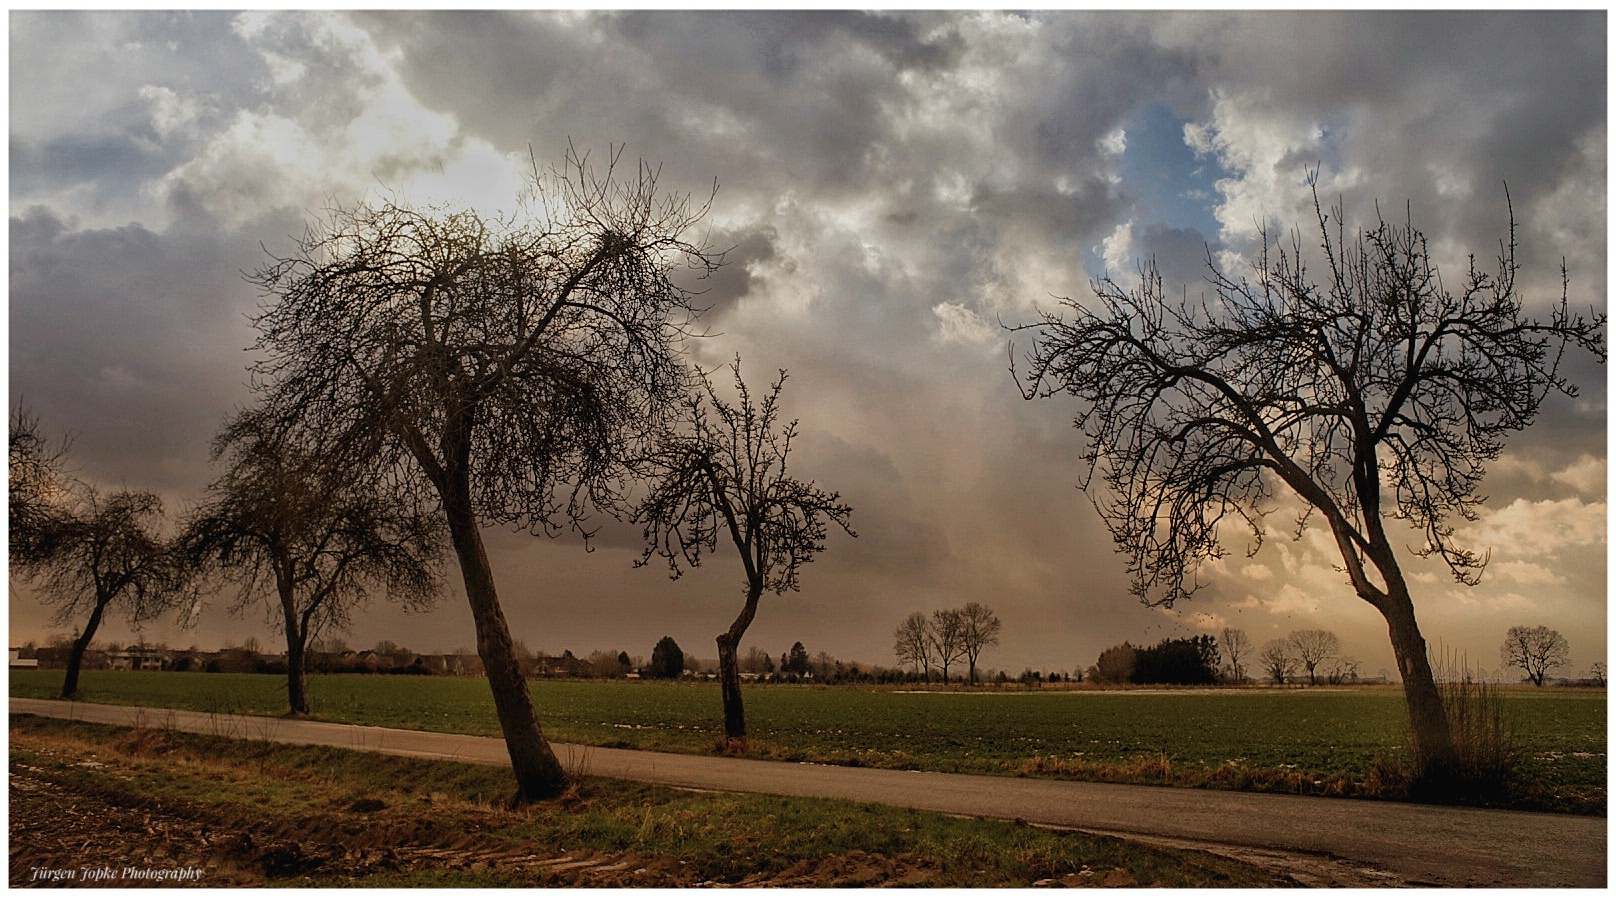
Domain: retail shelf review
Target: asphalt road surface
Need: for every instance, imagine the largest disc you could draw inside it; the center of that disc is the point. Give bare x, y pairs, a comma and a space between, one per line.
1321, 840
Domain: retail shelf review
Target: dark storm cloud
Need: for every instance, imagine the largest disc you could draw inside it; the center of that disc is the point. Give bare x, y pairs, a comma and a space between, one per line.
1046, 210
130, 340
68, 161
742, 252
892, 186
1180, 255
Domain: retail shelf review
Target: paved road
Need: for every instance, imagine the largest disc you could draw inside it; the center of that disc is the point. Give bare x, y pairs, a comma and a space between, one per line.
1415, 844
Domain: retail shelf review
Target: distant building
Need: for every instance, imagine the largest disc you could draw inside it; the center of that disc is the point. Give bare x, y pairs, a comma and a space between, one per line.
560, 666
19, 662
139, 659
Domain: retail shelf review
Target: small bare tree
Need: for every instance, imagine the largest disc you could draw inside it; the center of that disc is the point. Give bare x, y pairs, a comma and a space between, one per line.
911, 642
1535, 651
506, 371
1342, 670
1276, 660
308, 540
1369, 392
947, 636
1236, 645
1311, 648
979, 630
726, 473
109, 554
1597, 673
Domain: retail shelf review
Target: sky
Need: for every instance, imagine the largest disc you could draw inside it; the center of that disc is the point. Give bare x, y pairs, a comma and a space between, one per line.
894, 189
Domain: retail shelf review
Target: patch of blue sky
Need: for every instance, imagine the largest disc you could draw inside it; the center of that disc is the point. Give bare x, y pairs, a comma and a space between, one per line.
1166, 183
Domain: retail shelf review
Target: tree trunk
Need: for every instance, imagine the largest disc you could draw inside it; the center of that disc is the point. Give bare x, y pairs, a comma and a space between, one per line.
297, 698
539, 774
75, 658
1428, 720
729, 671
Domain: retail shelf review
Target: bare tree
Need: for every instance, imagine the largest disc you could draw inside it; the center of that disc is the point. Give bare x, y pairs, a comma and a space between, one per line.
109, 554
825, 665
757, 661
1276, 660
38, 488
911, 642
725, 473
308, 540
947, 635
505, 370
608, 665
979, 630
1535, 651
1311, 648
1116, 664
1597, 673
1369, 392
1236, 644
1342, 670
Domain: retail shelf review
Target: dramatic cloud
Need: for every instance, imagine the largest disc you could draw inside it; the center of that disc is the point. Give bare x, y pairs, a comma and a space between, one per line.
892, 189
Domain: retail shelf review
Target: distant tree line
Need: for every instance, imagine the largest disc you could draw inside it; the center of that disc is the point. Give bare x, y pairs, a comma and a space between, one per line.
1207, 659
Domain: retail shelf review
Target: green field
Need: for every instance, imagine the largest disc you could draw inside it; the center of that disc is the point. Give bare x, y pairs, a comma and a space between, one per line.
1303, 740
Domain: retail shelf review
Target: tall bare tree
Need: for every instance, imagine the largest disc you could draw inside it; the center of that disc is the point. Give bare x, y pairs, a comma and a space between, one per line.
1370, 391
1535, 651
109, 554
1237, 645
725, 472
979, 630
505, 370
1311, 648
911, 642
947, 635
308, 540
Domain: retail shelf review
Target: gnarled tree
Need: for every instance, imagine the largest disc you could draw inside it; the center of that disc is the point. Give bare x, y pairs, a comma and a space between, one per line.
308, 539
1369, 391
504, 370
109, 554
726, 474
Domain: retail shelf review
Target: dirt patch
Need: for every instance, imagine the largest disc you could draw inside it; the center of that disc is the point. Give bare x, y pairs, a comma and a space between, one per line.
1312, 871
67, 829
66, 836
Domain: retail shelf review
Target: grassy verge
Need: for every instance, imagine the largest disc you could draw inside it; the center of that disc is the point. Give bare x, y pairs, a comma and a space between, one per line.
1341, 742
256, 813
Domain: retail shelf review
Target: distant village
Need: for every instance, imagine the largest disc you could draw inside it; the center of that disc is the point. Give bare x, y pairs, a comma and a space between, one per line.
756, 665
387, 658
